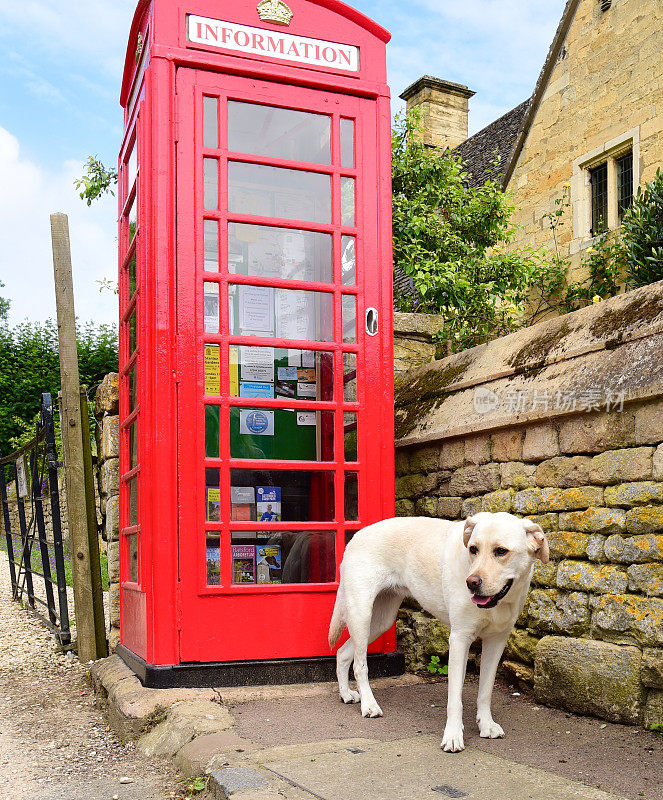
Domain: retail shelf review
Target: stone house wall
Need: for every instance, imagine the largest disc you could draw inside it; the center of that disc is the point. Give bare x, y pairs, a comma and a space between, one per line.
604, 93
495, 429
108, 480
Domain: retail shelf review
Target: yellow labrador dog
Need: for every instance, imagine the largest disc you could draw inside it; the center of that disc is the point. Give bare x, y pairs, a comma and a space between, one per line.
472, 575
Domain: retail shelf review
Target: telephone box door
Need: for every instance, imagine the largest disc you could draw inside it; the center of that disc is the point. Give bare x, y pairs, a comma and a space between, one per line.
283, 401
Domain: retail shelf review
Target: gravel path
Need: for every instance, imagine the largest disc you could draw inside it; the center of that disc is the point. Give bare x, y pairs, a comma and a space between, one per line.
54, 742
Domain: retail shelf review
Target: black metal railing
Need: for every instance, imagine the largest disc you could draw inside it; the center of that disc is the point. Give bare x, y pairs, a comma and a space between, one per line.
33, 526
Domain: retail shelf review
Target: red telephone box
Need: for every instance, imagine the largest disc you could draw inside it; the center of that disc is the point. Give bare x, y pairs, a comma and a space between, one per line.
256, 394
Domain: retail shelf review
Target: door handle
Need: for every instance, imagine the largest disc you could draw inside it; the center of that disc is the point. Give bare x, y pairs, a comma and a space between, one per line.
371, 321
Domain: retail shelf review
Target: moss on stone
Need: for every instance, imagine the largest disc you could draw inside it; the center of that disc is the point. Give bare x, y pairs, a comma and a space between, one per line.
613, 321
531, 358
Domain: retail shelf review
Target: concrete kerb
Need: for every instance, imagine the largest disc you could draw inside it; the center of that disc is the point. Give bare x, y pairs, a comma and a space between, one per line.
193, 726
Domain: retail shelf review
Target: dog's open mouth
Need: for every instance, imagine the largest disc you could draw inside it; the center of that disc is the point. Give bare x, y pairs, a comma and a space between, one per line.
491, 600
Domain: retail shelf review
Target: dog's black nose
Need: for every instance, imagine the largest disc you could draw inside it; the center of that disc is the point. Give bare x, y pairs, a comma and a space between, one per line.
473, 583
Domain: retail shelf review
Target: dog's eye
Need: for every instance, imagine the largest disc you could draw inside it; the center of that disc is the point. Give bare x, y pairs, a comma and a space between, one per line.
500, 551
473, 549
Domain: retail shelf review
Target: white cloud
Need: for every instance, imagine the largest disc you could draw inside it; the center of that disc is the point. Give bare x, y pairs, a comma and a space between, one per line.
30, 195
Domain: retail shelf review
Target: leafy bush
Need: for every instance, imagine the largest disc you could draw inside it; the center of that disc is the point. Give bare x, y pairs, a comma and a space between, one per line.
643, 235
29, 366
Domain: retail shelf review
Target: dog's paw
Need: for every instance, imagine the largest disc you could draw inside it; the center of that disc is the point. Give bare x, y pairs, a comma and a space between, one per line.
490, 730
452, 741
371, 710
350, 696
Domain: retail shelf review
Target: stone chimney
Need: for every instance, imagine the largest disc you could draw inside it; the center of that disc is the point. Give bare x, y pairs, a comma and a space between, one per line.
444, 108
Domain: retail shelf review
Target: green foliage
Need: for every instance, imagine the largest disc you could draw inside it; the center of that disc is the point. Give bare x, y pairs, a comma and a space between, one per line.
29, 366
449, 238
96, 181
643, 235
4, 306
435, 668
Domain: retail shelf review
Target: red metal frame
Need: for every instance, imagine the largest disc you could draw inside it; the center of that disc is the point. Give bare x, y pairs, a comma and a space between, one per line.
169, 615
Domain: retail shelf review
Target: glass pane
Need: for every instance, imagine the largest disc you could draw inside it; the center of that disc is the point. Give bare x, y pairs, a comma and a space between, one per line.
599, 181
211, 183
211, 360
281, 495
350, 435
284, 313
279, 133
348, 260
132, 166
211, 300
131, 271
279, 253
349, 309
348, 201
133, 219
212, 495
131, 324
211, 245
350, 377
133, 445
213, 559
283, 557
348, 537
276, 192
351, 502
212, 427
285, 434
133, 501
347, 143
278, 372
132, 387
210, 122
624, 183
132, 546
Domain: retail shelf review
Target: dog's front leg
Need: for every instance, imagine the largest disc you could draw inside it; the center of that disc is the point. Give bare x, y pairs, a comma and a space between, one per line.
459, 648
491, 650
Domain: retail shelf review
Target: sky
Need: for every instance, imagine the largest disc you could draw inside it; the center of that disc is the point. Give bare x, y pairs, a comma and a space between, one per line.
61, 65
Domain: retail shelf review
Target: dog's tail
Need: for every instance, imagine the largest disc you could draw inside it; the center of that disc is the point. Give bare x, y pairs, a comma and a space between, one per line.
338, 618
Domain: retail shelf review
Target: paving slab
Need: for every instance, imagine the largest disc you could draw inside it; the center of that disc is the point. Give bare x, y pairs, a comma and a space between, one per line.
416, 769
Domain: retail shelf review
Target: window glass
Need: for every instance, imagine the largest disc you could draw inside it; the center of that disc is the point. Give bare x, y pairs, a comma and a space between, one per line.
212, 368
212, 495
276, 192
132, 166
284, 313
350, 435
131, 273
599, 182
348, 201
287, 253
210, 122
351, 501
211, 245
350, 377
349, 309
286, 434
211, 301
131, 324
133, 501
347, 143
282, 557
132, 547
133, 388
281, 495
211, 183
212, 425
624, 183
133, 444
348, 261
279, 133
213, 556
274, 372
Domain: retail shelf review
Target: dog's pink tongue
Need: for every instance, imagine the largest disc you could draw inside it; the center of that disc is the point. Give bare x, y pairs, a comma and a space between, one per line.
481, 601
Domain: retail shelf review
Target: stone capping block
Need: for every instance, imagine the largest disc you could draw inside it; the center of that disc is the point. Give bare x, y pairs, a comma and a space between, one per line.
618, 466
417, 326
589, 677
541, 441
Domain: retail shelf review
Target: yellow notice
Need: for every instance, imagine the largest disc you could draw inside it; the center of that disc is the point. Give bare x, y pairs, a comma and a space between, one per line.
234, 371
214, 494
212, 369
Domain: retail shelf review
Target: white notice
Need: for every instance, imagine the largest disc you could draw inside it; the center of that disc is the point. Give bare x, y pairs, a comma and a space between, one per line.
256, 309
257, 363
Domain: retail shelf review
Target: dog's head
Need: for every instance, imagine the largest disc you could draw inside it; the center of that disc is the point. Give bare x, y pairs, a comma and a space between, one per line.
502, 550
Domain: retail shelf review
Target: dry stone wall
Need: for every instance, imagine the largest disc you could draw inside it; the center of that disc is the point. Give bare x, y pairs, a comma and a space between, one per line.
590, 637
108, 479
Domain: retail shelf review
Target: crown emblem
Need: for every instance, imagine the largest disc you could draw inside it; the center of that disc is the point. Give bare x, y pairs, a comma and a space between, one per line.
274, 11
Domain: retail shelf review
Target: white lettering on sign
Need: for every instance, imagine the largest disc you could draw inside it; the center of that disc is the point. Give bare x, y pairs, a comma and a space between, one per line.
258, 41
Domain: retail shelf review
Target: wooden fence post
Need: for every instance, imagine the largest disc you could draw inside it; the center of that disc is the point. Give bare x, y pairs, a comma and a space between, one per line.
72, 440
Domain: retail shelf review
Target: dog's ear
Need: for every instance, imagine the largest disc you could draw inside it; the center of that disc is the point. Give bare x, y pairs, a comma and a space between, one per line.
470, 522
536, 540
